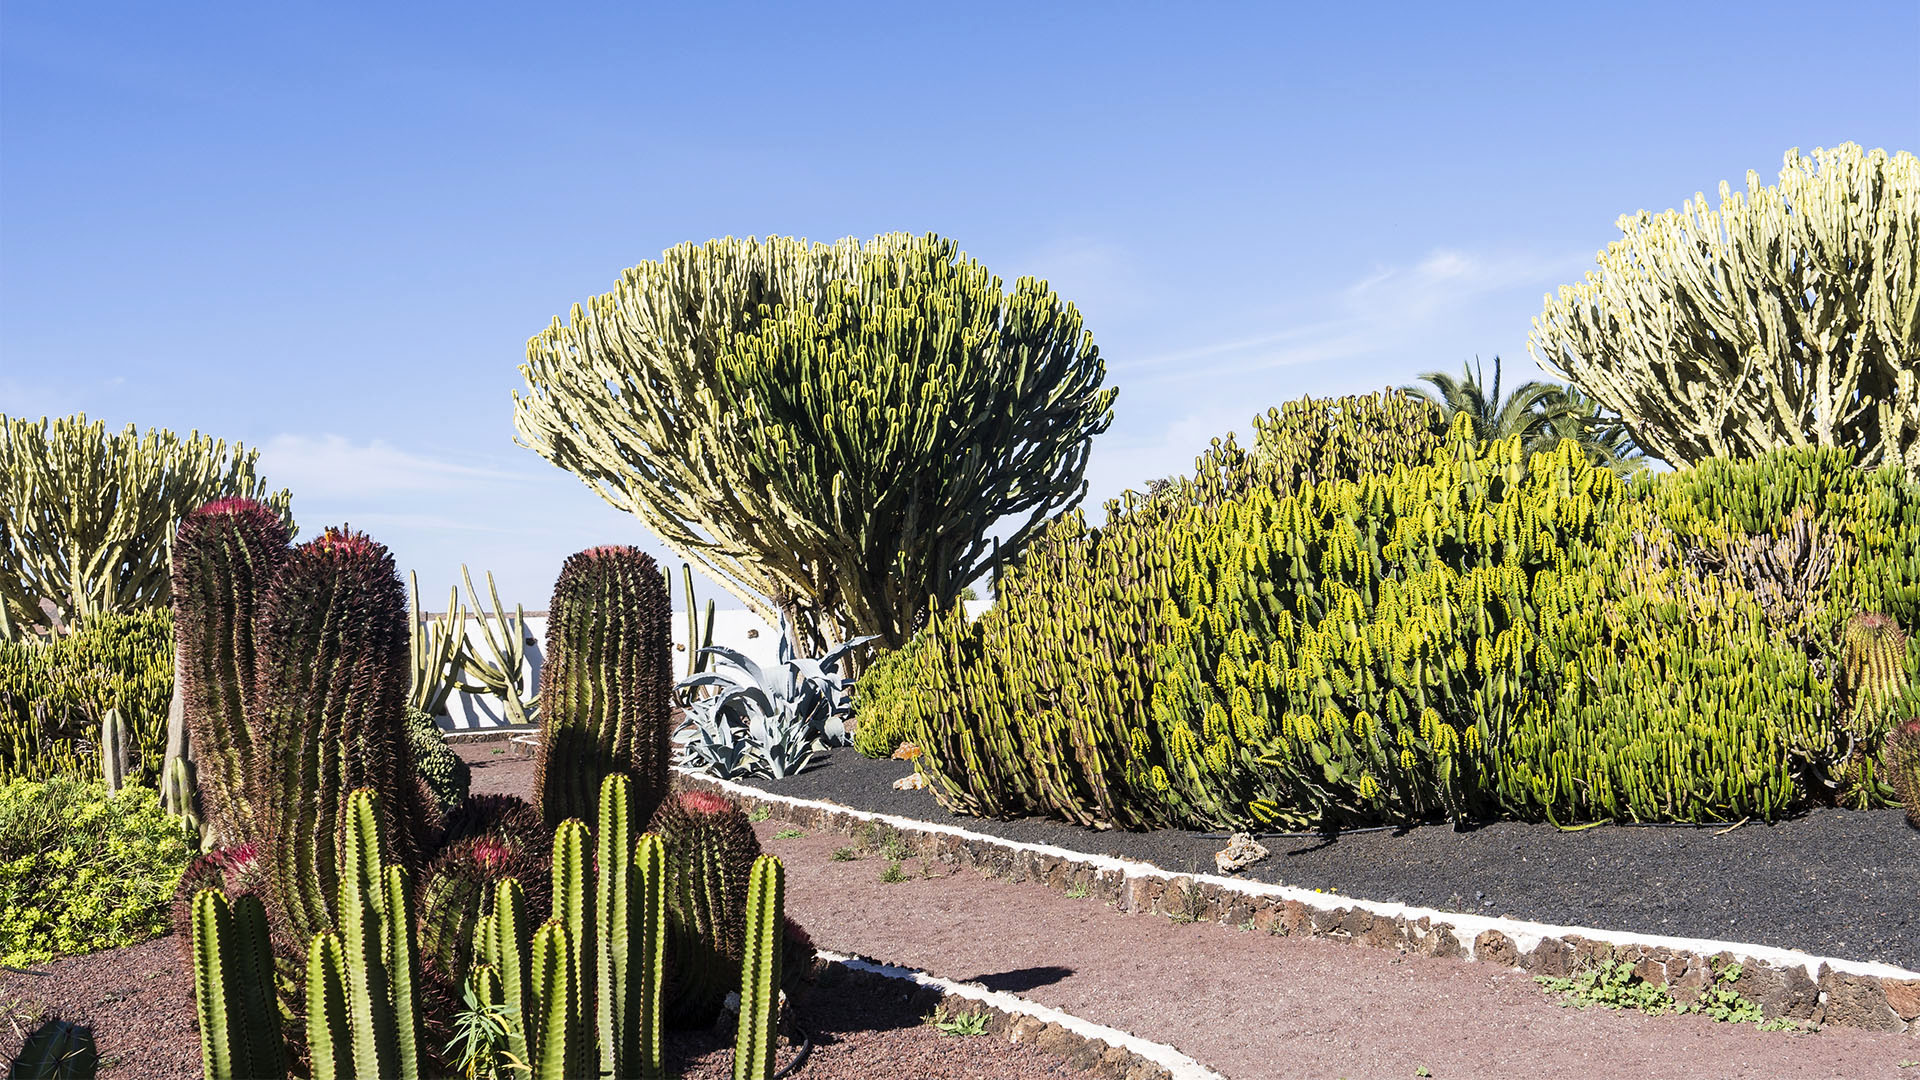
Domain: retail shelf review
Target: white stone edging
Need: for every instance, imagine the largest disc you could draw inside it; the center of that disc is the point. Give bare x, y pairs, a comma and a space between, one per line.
1180, 1065
1525, 935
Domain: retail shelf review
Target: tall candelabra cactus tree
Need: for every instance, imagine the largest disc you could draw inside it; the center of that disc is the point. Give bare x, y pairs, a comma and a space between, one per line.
830, 431
1788, 316
85, 514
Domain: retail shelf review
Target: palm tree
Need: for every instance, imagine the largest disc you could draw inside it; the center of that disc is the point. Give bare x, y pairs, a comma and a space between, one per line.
1540, 413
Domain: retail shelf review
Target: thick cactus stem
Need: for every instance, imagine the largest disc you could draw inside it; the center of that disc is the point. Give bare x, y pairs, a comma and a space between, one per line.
233, 989
225, 555
332, 645
760, 975
607, 683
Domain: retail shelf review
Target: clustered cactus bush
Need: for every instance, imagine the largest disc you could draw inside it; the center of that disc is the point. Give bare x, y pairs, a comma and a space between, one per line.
585, 993
1474, 636
334, 808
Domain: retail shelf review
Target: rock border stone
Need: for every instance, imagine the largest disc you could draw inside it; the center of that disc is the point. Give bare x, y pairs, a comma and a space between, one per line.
1786, 983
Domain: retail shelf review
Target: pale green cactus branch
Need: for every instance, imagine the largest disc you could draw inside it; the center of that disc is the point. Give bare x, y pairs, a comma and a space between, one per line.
506, 642
1787, 316
86, 517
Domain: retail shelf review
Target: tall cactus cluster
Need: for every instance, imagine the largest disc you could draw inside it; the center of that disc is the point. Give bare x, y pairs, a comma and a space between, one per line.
1315, 439
1473, 636
607, 682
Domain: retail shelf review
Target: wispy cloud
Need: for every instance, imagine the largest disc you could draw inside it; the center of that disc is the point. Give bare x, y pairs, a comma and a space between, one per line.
335, 467
1387, 309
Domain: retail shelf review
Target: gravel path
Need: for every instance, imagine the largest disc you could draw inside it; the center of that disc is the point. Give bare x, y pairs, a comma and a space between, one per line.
1257, 1007
1835, 882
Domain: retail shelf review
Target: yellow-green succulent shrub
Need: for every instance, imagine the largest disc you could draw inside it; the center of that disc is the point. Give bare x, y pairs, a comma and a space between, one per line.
54, 692
1469, 637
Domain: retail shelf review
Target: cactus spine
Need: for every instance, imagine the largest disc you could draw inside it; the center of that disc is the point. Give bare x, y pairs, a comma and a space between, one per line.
607, 683
233, 989
760, 975
225, 556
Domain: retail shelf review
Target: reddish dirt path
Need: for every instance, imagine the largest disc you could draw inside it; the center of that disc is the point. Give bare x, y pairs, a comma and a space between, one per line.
1256, 1007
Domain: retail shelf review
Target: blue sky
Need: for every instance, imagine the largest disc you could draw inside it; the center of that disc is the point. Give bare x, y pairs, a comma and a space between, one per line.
328, 229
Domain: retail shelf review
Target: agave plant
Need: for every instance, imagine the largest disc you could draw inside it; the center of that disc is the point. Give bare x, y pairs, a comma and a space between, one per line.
771, 720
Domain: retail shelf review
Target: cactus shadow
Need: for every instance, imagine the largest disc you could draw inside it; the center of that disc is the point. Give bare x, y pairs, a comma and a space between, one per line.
58, 1050
1020, 980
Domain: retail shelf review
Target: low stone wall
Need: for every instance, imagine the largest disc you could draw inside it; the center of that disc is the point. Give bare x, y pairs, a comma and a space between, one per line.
1786, 984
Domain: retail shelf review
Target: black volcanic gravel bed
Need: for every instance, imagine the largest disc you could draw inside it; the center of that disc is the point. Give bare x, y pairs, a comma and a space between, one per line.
1842, 883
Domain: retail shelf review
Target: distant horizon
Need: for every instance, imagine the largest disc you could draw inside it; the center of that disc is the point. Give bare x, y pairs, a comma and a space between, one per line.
328, 231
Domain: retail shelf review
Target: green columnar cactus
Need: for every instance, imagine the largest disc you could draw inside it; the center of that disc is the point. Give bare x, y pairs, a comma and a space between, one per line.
225, 556
113, 749
606, 684
710, 849
846, 422
699, 627
506, 944
613, 965
85, 516
329, 1034
1785, 317
575, 892
641, 1008
361, 912
234, 989
332, 647
560, 1052
760, 976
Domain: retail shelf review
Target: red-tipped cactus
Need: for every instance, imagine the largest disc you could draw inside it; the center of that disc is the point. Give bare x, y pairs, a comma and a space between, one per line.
606, 685
225, 555
489, 839
710, 851
331, 689
1903, 766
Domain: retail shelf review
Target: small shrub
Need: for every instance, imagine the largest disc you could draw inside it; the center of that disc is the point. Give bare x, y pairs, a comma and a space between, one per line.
445, 773
81, 870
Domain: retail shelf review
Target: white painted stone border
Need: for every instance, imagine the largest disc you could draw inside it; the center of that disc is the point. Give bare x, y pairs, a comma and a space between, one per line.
1180, 1065
1466, 927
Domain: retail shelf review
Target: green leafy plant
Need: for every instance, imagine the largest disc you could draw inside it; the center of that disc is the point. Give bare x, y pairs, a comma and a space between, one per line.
478, 1046
957, 1024
846, 854
892, 875
81, 870
1609, 986
789, 834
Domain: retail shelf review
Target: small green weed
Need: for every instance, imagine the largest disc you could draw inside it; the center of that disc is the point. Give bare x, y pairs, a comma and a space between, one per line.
1423, 1071
957, 1024
1184, 904
759, 814
893, 875
789, 834
1078, 891
889, 842
846, 854
1616, 986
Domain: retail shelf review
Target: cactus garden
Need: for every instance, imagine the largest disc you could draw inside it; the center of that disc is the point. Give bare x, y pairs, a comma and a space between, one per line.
1142, 631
